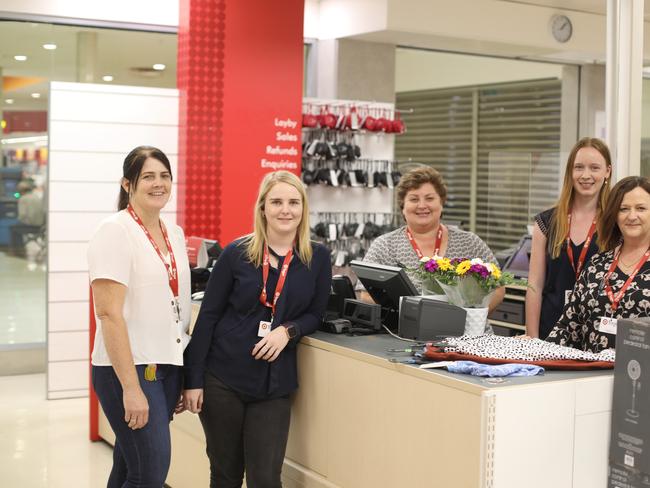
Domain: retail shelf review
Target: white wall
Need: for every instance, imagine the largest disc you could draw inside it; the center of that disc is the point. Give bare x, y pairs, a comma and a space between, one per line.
427, 70
148, 12
92, 128
645, 109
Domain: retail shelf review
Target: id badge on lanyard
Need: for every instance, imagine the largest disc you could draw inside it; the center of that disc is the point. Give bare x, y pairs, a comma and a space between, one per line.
265, 326
608, 325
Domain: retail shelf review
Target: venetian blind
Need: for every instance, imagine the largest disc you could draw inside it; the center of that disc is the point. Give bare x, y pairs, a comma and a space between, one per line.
439, 133
510, 134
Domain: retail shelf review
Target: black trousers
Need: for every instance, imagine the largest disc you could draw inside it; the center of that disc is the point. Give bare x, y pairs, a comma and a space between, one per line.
244, 433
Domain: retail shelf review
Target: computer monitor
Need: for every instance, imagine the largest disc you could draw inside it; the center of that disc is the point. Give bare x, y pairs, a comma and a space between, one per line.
519, 262
385, 284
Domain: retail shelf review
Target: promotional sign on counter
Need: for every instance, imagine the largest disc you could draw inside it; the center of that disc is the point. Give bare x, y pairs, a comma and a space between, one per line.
630, 435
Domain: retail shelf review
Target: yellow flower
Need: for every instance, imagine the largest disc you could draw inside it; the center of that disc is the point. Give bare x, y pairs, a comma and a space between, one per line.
444, 264
463, 267
496, 273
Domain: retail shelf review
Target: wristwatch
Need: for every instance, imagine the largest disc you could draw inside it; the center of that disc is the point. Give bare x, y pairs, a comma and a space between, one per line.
291, 331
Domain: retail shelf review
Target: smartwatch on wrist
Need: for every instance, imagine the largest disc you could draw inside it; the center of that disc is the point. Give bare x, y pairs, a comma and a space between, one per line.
291, 331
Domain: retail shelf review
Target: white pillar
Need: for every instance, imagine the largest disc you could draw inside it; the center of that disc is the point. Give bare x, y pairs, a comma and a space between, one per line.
624, 84
86, 57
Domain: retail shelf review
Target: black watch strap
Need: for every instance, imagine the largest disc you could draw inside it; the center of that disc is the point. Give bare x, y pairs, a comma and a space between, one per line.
291, 331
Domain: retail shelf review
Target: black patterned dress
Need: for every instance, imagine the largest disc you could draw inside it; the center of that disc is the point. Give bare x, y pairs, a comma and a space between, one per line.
578, 324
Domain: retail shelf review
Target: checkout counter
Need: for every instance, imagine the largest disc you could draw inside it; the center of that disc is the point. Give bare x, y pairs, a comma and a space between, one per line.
360, 421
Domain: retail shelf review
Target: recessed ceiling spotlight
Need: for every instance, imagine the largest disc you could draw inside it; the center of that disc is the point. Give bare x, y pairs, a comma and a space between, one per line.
36, 95
159, 66
20, 57
49, 46
107, 78
9, 101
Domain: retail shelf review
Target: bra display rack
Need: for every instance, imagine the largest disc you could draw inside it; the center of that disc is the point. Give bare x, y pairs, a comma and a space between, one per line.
349, 168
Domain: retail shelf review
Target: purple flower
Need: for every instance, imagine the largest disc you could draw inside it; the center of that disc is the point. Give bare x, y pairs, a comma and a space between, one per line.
480, 270
431, 266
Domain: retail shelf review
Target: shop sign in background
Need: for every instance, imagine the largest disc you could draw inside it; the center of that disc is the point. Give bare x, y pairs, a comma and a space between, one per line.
240, 74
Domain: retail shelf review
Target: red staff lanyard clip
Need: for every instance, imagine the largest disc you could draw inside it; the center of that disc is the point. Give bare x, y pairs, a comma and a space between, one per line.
585, 247
281, 280
416, 248
172, 271
616, 299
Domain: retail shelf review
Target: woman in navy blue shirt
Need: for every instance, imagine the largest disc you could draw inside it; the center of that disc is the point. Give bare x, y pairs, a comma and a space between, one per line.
267, 290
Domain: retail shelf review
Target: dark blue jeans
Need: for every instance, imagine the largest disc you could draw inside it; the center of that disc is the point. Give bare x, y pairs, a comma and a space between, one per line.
140, 457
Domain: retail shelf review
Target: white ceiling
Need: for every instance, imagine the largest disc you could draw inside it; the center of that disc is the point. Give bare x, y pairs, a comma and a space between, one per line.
115, 53
587, 6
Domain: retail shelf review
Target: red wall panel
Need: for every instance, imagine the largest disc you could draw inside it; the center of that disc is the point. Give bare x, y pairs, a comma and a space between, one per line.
240, 72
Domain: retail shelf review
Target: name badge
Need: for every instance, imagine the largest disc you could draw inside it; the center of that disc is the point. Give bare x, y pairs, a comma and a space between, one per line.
264, 328
567, 296
607, 325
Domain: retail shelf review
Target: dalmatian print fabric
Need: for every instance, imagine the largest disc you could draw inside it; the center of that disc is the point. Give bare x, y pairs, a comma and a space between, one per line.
512, 348
394, 249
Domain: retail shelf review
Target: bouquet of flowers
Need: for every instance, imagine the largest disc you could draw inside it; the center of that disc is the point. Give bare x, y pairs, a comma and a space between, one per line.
468, 283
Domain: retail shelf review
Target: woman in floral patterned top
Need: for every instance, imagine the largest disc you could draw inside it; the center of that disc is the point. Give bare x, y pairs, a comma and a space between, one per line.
616, 282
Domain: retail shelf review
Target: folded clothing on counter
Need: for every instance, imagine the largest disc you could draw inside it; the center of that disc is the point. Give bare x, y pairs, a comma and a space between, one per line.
494, 370
492, 349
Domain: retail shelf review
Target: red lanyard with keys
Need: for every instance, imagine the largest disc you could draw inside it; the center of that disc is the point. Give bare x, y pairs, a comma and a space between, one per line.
265, 276
415, 246
585, 247
172, 271
615, 299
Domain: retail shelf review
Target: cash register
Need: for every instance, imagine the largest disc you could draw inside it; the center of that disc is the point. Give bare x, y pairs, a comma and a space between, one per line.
403, 310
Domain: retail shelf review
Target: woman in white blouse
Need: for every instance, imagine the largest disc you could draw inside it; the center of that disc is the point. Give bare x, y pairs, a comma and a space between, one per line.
140, 280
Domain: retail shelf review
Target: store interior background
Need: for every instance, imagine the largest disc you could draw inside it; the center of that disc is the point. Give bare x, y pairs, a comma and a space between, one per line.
434, 75
432, 56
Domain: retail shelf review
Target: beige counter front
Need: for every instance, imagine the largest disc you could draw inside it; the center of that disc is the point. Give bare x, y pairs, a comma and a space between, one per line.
361, 421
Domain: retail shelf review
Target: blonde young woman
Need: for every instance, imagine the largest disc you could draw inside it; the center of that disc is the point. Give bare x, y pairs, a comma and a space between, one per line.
267, 290
564, 237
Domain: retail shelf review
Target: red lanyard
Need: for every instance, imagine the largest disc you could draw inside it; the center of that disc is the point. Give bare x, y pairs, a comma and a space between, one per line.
585, 247
614, 300
171, 270
265, 276
416, 248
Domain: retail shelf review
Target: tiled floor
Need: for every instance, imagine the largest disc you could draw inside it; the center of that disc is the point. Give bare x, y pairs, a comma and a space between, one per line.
22, 302
45, 443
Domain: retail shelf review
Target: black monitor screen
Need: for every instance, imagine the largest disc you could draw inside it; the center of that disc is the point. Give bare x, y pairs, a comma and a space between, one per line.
519, 262
385, 284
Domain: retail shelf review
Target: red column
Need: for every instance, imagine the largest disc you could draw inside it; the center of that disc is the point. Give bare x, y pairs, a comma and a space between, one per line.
240, 70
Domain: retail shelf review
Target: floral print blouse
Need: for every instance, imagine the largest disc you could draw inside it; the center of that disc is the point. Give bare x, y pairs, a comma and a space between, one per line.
579, 322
